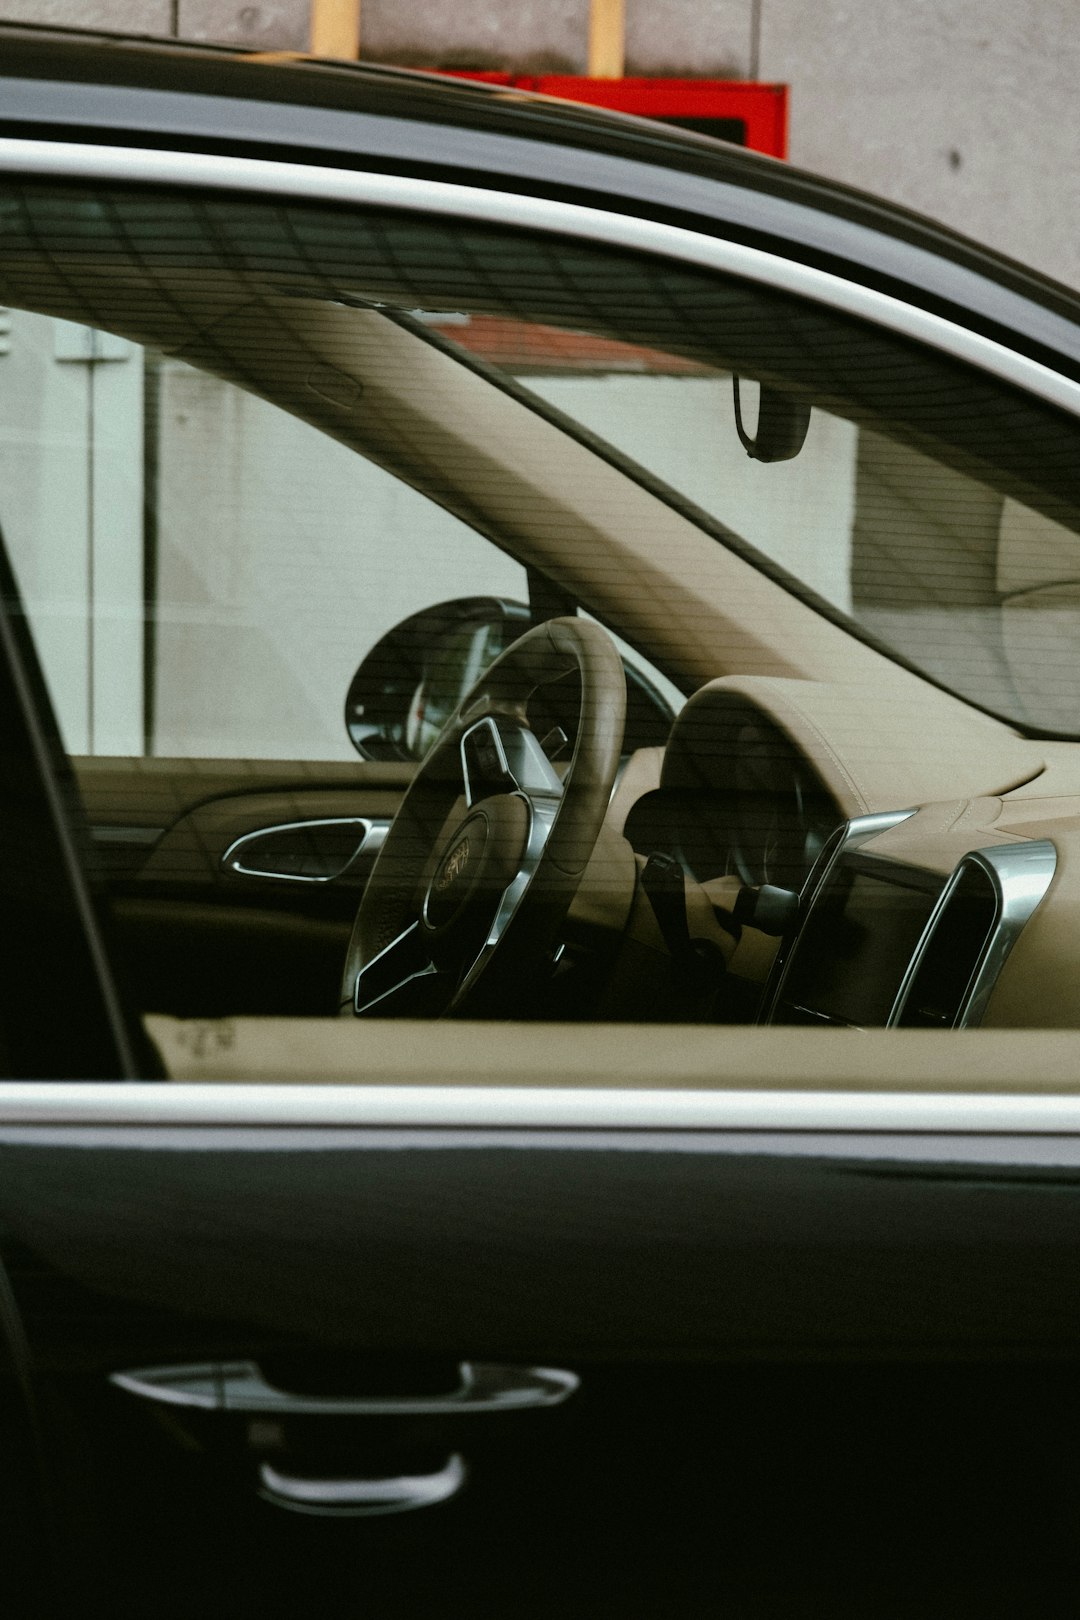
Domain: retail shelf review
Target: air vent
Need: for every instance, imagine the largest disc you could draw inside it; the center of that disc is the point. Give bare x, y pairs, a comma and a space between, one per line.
985, 904
956, 939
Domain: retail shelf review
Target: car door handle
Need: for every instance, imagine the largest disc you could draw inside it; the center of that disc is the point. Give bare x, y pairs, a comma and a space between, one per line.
313, 851
361, 1498
240, 1386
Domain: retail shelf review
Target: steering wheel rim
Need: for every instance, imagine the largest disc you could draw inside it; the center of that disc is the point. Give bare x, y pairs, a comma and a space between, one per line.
484, 856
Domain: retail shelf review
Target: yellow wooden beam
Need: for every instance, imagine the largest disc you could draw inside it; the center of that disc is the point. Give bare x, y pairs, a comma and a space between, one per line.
607, 39
335, 28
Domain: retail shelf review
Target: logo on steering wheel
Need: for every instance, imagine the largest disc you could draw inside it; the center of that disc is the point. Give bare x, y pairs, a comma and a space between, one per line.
453, 866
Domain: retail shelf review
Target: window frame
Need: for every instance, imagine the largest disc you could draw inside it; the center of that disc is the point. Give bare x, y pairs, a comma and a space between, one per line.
410, 1104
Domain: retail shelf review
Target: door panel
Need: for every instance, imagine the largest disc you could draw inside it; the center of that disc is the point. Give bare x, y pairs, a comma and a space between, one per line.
193, 937
723, 1303
484, 1245
192, 851
157, 794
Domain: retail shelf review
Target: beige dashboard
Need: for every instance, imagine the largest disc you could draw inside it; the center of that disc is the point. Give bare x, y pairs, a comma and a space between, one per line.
948, 827
948, 842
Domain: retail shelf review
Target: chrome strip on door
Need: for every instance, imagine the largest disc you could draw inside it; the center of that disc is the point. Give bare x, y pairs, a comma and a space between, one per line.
41, 1106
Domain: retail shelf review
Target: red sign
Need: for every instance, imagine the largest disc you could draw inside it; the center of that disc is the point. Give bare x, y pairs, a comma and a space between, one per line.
752, 115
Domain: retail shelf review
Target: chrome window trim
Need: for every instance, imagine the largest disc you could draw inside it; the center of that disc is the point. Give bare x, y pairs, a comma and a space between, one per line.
312, 183
38, 1106
1021, 874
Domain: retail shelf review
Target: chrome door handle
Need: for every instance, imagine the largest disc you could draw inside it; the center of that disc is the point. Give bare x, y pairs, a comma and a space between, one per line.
240, 1386
290, 851
361, 1498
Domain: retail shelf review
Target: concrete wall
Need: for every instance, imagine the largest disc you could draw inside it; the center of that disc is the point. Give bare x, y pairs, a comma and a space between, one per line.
963, 109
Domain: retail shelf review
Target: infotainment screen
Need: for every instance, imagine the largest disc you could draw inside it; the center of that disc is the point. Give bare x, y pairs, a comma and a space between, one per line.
853, 950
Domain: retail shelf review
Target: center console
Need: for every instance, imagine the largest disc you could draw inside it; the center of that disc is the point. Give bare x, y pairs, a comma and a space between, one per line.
881, 943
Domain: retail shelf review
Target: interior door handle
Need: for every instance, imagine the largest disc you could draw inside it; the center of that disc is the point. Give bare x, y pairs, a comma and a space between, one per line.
361, 1498
240, 1386
312, 851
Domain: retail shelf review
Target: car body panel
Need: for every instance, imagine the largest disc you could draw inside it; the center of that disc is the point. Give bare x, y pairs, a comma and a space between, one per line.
486, 1244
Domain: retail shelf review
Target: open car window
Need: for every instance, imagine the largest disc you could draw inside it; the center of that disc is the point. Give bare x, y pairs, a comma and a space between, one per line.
248, 445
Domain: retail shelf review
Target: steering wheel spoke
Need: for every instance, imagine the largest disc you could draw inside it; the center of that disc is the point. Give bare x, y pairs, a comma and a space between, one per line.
503, 756
542, 820
402, 979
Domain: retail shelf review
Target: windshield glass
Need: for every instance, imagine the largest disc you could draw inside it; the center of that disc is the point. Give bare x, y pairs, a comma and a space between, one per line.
944, 567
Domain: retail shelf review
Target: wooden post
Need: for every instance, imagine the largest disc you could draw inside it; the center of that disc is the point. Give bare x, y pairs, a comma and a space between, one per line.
335, 28
607, 39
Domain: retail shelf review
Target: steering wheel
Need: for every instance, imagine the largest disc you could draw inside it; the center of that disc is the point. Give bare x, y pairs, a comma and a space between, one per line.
470, 890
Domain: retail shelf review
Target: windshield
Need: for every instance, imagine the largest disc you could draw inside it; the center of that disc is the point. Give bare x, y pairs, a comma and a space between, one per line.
944, 566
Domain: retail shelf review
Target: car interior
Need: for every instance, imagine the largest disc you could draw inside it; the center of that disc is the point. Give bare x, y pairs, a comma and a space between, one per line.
761, 713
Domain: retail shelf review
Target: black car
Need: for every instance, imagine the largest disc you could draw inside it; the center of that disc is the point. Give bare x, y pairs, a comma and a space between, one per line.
541, 815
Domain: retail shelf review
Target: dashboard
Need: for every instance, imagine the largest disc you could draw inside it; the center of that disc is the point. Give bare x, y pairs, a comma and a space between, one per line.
852, 917
879, 869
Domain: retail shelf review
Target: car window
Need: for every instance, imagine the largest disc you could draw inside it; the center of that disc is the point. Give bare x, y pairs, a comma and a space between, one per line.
202, 571
247, 443
904, 455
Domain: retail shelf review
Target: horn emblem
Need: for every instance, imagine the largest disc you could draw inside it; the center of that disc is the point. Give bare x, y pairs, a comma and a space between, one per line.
453, 866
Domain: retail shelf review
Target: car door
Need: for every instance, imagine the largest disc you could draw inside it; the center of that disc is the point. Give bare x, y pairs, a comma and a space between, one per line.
470, 1316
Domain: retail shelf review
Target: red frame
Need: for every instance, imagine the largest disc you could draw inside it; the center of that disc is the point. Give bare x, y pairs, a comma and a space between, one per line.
762, 109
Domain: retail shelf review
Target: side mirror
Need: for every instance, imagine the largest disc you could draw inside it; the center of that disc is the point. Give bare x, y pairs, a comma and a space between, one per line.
782, 425
414, 678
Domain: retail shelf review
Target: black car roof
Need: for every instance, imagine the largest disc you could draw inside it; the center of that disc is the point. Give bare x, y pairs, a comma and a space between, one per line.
120, 89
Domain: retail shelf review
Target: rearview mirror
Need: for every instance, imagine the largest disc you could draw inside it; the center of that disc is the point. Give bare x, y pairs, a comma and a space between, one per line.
782, 424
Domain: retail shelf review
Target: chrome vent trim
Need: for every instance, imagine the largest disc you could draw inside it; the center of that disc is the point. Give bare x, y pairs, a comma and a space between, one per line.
1019, 876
